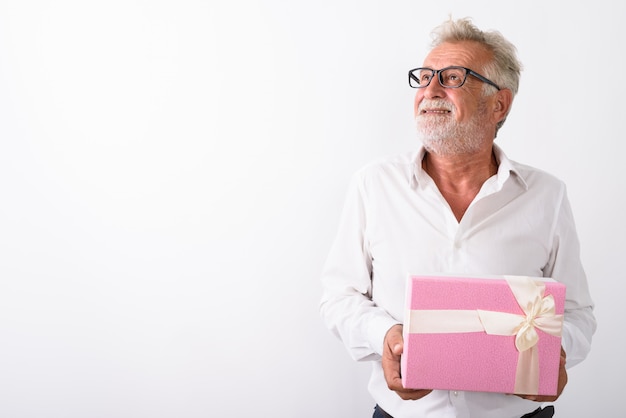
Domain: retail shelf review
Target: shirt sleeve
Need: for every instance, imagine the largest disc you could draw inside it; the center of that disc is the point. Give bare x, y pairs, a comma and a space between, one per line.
565, 266
346, 305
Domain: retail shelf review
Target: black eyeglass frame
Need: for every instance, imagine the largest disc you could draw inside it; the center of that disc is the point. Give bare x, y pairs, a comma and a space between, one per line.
438, 74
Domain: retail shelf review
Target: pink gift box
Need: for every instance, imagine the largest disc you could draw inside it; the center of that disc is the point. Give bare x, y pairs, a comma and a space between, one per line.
493, 334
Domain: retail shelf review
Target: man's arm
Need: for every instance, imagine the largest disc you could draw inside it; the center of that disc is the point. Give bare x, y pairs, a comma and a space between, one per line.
565, 266
346, 304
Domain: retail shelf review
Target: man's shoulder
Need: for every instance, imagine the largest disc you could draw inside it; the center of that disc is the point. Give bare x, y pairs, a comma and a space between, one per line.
536, 176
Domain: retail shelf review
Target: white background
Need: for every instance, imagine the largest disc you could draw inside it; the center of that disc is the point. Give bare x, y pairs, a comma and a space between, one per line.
172, 174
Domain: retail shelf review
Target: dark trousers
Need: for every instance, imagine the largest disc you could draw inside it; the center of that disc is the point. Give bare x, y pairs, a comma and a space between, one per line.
546, 412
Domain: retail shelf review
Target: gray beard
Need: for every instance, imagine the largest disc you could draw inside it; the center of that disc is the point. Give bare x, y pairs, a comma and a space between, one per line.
445, 136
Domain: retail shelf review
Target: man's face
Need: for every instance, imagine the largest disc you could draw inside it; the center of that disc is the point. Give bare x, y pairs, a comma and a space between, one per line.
454, 120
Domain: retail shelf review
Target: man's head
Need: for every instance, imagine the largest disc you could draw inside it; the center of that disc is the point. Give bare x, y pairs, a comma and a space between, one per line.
460, 109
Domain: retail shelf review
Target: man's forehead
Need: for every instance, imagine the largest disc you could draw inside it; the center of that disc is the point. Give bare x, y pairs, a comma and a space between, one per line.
465, 53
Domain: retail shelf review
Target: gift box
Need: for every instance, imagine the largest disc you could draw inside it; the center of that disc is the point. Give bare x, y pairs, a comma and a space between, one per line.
492, 334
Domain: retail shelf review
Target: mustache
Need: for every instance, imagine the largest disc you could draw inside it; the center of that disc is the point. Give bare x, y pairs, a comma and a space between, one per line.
435, 103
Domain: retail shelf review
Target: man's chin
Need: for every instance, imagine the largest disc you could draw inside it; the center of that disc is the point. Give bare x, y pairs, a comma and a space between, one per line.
437, 146
447, 148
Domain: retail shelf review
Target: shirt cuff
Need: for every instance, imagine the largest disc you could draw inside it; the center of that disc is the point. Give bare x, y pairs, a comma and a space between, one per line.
377, 329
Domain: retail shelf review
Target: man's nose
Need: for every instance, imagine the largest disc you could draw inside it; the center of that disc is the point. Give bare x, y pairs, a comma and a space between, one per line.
434, 89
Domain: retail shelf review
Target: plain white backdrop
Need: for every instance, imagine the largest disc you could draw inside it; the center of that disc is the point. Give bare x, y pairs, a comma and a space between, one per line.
172, 174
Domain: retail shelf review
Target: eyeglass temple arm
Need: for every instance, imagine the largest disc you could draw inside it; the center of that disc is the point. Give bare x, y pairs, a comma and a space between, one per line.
484, 79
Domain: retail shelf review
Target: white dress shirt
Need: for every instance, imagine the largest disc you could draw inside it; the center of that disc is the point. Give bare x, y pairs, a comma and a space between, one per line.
396, 223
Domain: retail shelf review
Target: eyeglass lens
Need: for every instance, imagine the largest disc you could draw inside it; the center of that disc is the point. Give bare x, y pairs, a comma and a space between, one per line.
449, 77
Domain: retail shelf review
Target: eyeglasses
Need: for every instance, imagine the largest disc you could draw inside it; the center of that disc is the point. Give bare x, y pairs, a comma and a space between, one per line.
450, 77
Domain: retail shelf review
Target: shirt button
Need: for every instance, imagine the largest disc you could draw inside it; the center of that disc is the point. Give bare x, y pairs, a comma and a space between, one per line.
455, 393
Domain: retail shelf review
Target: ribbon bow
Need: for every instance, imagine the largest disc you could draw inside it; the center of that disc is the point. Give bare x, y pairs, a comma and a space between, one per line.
540, 313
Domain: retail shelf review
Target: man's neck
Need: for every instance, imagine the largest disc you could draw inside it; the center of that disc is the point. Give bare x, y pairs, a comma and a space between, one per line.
460, 177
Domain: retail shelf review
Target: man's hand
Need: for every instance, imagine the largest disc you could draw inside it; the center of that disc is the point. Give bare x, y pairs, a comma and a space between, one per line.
392, 349
560, 386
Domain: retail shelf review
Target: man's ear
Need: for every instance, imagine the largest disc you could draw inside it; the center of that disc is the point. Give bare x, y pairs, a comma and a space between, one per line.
503, 102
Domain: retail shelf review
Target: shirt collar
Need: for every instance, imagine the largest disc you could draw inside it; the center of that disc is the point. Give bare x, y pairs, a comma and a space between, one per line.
505, 169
